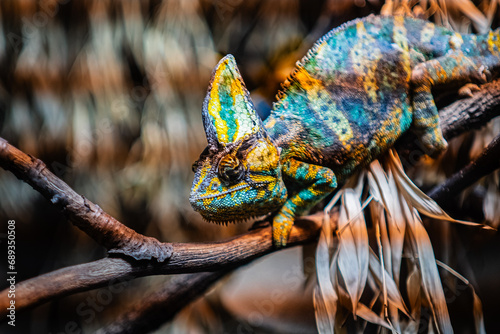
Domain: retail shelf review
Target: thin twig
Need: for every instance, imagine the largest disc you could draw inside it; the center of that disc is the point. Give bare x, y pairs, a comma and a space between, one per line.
485, 164
471, 113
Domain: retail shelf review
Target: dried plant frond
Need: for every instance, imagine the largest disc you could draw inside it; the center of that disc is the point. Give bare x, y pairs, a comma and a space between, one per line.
477, 305
456, 14
394, 213
348, 268
353, 245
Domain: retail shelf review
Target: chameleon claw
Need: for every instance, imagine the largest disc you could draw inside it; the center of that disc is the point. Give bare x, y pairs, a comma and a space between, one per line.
280, 242
282, 226
468, 90
484, 75
281, 234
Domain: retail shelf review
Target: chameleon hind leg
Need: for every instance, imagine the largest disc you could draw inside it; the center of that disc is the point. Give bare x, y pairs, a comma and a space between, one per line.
315, 183
453, 68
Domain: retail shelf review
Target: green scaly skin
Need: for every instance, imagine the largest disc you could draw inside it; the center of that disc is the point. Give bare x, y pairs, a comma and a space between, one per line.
349, 99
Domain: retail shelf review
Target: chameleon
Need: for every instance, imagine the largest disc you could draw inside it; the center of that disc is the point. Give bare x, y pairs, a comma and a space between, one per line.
355, 92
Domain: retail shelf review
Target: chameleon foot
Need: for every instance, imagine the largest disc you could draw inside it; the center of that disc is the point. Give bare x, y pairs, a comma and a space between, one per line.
282, 225
433, 142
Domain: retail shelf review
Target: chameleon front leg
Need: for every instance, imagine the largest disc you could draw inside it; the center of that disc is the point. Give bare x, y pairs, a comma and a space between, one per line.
316, 182
455, 67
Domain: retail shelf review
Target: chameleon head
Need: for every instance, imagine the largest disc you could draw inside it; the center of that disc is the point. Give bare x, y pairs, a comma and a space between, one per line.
238, 176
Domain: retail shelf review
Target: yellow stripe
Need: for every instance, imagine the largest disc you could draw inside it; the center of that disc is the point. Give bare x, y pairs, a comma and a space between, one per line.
492, 45
313, 88
366, 66
427, 33
400, 38
214, 107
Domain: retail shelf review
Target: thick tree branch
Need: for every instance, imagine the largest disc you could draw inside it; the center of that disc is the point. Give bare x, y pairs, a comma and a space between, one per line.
152, 312
485, 164
87, 216
186, 258
471, 113
452, 121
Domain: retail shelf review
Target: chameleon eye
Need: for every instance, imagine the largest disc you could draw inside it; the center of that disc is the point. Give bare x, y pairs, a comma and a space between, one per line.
230, 169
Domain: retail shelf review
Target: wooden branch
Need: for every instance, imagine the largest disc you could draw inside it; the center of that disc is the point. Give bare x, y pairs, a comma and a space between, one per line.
186, 258
485, 164
182, 258
89, 217
471, 113
153, 311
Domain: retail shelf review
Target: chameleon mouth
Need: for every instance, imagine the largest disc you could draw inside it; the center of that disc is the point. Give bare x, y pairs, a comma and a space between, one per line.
228, 206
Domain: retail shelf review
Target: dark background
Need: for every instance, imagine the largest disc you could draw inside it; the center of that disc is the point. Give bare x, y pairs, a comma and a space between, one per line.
108, 94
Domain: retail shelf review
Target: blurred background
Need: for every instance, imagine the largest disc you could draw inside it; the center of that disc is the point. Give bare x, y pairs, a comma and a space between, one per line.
109, 93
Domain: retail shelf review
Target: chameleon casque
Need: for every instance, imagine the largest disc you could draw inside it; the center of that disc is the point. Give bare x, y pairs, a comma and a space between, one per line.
348, 100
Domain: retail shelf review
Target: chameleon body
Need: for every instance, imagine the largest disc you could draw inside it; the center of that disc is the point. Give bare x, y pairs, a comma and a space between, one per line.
348, 100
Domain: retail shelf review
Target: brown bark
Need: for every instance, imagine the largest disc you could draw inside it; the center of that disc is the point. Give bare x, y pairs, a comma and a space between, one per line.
151, 312
89, 217
174, 258
186, 258
485, 164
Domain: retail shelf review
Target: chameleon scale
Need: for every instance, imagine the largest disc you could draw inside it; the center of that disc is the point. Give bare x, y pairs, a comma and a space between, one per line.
358, 89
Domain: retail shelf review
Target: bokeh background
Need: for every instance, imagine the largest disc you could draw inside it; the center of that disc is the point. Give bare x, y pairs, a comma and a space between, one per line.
108, 94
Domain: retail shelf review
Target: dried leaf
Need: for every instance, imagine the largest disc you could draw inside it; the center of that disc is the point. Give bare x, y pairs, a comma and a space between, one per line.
490, 13
324, 322
353, 244
430, 276
325, 297
382, 265
397, 227
491, 203
478, 314
468, 8
383, 186
348, 257
477, 305
393, 294
418, 199
413, 290
345, 302
379, 185
375, 288
358, 227
364, 312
